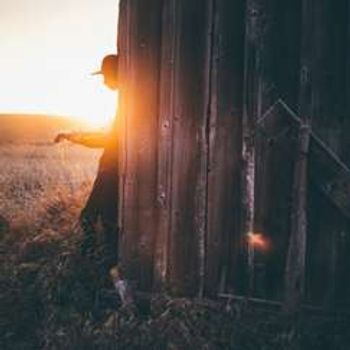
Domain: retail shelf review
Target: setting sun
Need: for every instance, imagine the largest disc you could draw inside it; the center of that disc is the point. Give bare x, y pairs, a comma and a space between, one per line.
48, 50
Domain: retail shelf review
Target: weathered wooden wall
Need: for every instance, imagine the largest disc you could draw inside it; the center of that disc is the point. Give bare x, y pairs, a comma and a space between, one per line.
139, 48
213, 95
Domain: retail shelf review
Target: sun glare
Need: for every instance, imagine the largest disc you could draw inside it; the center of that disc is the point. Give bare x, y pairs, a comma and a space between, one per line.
48, 50
99, 111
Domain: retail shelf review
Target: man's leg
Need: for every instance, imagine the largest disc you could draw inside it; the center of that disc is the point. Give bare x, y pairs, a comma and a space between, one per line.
88, 221
110, 243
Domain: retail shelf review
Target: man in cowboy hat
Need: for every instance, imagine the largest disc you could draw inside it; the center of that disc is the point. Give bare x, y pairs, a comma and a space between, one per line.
101, 208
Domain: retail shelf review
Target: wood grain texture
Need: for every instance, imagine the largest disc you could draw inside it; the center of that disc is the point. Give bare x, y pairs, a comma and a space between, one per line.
197, 174
139, 45
224, 232
188, 161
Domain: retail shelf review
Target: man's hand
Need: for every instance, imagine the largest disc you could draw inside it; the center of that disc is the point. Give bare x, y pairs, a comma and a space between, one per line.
60, 137
88, 139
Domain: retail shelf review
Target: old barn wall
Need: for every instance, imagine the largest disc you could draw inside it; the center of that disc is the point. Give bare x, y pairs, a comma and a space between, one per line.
213, 95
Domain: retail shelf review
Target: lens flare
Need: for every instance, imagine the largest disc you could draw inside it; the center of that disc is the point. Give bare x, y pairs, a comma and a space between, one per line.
258, 241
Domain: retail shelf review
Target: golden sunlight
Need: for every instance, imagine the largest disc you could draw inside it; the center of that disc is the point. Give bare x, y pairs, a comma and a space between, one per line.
47, 52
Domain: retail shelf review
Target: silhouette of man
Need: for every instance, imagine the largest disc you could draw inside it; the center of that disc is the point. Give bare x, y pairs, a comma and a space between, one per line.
101, 208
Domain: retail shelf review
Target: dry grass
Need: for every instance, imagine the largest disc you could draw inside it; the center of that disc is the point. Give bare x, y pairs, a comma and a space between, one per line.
42, 190
35, 177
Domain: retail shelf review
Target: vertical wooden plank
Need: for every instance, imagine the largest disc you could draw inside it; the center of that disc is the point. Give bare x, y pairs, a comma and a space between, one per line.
206, 208
295, 265
295, 269
329, 57
165, 133
252, 58
208, 72
322, 250
188, 179
282, 49
275, 157
329, 108
275, 142
223, 230
139, 45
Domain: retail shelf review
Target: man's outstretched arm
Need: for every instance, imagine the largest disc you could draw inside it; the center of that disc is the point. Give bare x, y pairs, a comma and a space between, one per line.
88, 139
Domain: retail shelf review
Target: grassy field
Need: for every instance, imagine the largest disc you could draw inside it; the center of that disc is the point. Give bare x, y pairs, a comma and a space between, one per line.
34, 178
43, 187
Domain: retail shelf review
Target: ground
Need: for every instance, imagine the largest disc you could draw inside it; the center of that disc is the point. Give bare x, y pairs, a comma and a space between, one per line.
53, 298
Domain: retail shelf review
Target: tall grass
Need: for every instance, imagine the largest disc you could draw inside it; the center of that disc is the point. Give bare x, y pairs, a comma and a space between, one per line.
43, 187
35, 177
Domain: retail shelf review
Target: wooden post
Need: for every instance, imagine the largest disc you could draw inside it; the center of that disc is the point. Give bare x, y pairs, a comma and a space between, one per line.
295, 269
295, 265
225, 142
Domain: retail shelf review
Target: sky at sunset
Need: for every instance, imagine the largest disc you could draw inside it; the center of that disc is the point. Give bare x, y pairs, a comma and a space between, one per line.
48, 49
